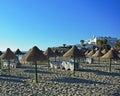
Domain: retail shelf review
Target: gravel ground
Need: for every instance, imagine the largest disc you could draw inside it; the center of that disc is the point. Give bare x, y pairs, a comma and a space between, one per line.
90, 80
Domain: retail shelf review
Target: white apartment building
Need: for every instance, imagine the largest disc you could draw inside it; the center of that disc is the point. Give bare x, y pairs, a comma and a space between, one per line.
111, 40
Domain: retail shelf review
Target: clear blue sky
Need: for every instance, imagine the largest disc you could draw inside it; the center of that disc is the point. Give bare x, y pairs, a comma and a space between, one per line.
44, 23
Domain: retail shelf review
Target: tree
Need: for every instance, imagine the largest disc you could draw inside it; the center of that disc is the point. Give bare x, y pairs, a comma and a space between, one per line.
99, 43
103, 44
105, 41
117, 44
64, 45
82, 42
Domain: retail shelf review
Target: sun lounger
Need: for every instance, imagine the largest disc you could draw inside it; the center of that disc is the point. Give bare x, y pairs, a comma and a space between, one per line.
55, 64
12, 64
89, 60
5, 64
68, 65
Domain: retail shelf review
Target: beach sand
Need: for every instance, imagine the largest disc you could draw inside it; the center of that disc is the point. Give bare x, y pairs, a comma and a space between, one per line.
90, 80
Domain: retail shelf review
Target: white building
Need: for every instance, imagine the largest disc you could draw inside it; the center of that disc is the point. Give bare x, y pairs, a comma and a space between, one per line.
111, 41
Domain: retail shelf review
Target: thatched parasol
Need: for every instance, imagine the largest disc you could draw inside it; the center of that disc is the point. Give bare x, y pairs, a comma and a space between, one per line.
57, 53
49, 53
25, 55
18, 52
111, 54
72, 53
35, 54
91, 53
104, 51
9, 55
86, 52
98, 54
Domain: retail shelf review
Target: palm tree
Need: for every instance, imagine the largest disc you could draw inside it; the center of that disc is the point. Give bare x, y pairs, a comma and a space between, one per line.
99, 43
64, 45
117, 44
105, 41
82, 42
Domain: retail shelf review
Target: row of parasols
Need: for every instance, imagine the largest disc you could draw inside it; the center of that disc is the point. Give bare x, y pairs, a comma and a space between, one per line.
35, 54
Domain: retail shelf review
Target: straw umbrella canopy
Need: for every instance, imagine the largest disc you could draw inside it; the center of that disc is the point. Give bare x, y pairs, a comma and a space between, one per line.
57, 53
25, 55
104, 51
49, 53
91, 53
34, 54
86, 52
9, 55
18, 52
111, 54
97, 54
72, 53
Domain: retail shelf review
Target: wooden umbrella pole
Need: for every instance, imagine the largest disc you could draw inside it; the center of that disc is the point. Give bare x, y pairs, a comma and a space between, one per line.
74, 65
110, 65
36, 73
9, 67
48, 63
99, 60
0, 64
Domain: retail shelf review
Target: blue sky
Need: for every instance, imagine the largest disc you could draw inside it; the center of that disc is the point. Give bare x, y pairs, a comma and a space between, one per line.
44, 23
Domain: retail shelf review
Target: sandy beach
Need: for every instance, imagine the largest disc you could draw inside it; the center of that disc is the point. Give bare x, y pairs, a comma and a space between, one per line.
90, 80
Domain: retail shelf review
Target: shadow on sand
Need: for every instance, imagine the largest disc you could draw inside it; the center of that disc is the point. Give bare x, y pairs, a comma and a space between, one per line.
40, 72
100, 72
26, 67
16, 79
96, 66
76, 80
118, 69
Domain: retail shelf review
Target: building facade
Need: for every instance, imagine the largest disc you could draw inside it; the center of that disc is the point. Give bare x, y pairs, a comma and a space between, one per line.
110, 40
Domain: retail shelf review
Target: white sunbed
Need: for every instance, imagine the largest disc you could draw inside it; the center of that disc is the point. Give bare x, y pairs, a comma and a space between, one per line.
55, 64
12, 64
